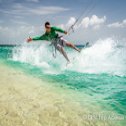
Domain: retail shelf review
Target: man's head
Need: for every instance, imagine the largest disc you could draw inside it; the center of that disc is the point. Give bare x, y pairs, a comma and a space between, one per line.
47, 26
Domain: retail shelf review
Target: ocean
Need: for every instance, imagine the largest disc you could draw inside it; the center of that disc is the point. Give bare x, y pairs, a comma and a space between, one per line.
95, 79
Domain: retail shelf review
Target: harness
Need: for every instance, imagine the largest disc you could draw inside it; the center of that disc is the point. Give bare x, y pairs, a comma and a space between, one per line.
54, 44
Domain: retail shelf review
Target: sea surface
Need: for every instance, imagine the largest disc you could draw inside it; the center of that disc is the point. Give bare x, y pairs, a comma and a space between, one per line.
96, 76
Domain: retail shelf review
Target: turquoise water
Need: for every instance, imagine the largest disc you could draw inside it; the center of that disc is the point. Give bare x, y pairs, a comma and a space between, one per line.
99, 71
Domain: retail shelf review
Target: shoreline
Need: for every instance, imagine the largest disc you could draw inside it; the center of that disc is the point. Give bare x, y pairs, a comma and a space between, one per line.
28, 101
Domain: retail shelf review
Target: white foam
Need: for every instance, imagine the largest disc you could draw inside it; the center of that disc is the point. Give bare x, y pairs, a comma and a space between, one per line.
102, 57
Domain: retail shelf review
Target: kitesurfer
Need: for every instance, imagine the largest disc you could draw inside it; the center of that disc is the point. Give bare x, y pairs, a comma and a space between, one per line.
57, 41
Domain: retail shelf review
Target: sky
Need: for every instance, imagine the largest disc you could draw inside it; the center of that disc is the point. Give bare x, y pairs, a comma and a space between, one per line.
99, 19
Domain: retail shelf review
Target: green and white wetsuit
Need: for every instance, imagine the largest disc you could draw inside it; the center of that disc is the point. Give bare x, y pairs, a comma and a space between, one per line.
57, 42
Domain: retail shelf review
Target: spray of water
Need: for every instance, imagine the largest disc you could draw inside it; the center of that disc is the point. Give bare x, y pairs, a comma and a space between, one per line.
105, 56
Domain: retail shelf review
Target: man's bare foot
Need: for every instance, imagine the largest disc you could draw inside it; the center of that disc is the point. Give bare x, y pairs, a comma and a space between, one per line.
68, 62
79, 50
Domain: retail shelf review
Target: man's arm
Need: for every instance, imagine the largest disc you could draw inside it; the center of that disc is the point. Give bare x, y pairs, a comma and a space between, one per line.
59, 30
37, 38
43, 37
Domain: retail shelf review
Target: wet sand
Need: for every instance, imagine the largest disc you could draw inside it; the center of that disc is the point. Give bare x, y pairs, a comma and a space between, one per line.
29, 101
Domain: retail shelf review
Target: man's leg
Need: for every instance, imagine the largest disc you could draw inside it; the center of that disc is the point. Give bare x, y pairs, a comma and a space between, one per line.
71, 45
64, 42
61, 50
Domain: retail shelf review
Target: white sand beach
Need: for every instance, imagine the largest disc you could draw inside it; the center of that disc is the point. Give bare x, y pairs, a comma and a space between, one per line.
28, 101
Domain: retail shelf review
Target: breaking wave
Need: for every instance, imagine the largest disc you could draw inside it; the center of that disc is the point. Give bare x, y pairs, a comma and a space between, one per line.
104, 56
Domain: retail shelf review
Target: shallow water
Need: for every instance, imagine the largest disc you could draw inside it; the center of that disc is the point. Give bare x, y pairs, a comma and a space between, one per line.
96, 78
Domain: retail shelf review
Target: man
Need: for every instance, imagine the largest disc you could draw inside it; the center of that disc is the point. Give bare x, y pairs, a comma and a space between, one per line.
51, 35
